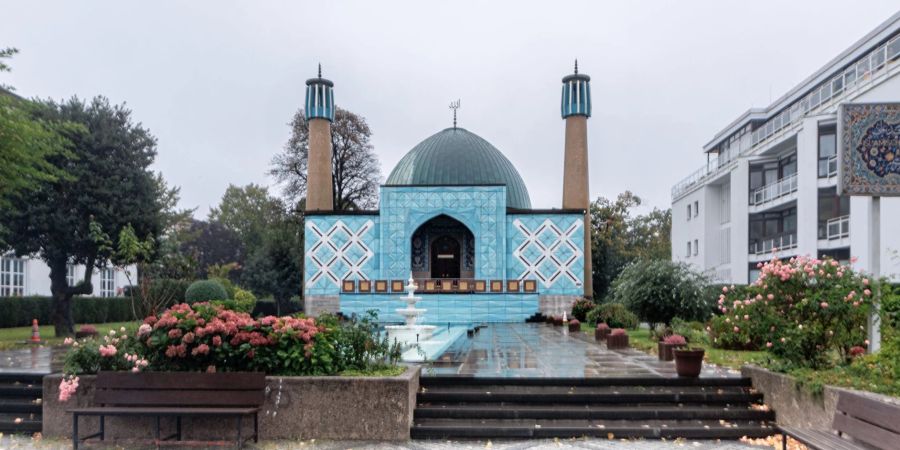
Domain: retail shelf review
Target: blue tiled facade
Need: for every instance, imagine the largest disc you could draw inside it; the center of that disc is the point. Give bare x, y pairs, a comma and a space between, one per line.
515, 245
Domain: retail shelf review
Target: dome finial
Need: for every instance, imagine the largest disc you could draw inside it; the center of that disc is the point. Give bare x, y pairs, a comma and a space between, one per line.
454, 106
320, 69
576, 67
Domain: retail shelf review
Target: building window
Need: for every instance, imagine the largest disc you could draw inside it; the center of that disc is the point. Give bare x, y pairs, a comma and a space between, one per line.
696, 247
688, 248
12, 277
696, 208
107, 283
689, 211
827, 152
70, 274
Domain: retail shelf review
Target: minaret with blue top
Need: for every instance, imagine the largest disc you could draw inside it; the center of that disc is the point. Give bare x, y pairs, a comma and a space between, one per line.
575, 108
319, 115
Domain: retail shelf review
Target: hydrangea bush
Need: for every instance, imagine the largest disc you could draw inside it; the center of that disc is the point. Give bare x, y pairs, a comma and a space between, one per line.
805, 311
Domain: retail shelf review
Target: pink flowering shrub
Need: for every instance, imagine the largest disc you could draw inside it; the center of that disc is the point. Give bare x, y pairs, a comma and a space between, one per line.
803, 311
675, 339
617, 332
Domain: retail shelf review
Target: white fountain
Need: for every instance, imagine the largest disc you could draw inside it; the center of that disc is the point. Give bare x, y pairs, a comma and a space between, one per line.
410, 333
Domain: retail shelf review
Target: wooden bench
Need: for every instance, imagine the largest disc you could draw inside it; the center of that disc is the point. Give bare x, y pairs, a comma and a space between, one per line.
868, 421
175, 394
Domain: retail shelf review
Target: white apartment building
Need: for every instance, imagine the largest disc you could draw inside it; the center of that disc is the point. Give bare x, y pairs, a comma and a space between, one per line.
31, 276
770, 180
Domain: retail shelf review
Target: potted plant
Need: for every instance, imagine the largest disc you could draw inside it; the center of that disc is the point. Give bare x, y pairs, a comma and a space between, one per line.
688, 361
617, 338
574, 326
86, 331
668, 344
601, 332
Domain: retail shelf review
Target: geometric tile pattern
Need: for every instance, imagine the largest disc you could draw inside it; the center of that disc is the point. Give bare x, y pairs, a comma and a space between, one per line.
481, 209
548, 252
547, 248
338, 248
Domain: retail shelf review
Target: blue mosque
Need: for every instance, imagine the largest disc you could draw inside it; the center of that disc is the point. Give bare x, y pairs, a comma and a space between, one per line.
456, 216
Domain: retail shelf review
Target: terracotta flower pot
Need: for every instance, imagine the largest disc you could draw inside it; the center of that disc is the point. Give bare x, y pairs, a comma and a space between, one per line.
688, 362
617, 341
574, 326
601, 333
666, 350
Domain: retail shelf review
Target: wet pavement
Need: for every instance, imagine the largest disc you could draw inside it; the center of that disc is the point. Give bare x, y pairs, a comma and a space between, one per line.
541, 350
37, 359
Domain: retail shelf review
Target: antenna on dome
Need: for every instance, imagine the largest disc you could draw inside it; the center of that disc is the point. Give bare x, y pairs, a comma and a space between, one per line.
454, 106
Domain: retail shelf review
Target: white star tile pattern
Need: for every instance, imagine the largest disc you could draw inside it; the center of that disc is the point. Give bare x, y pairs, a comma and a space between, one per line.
340, 253
548, 251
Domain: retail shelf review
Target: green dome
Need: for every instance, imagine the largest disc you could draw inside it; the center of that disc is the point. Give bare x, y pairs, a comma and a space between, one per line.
456, 156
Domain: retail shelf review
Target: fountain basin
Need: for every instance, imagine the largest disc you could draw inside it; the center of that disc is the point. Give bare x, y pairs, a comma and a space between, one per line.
407, 335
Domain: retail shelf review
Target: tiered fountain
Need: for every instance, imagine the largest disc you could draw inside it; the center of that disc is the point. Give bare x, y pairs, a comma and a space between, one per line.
410, 333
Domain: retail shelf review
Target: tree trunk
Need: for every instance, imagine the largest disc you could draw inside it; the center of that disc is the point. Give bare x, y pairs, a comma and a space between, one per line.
63, 322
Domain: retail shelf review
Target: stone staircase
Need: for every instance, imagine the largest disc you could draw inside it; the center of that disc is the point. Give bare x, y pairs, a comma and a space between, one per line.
20, 402
650, 408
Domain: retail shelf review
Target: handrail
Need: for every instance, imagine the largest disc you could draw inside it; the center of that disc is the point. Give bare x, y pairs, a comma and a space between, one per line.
828, 94
783, 242
837, 228
774, 191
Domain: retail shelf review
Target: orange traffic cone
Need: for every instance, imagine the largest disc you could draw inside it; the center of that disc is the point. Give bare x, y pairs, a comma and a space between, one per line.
35, 331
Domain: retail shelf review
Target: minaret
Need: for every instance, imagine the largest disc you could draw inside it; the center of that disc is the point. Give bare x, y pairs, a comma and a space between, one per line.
575, 109
319, 115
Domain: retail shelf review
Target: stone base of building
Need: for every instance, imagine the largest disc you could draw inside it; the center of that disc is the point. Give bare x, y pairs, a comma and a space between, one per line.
316, 305
556, 305
356, 408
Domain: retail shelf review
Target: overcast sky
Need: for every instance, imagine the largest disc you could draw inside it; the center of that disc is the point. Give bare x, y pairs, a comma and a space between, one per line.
216, 81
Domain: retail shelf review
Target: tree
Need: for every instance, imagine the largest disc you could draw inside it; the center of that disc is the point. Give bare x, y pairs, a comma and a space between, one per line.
248, 211
276, 269
660, 290
211, 243
356, 173
619, 237
109, 186
6, 53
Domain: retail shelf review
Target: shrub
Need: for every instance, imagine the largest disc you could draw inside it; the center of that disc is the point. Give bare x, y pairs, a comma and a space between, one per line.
581, 307
694, 332
243, 301
268, 307
19, 311
660, 290
804, 311
613, 314
204, 291
617, 332
675, 339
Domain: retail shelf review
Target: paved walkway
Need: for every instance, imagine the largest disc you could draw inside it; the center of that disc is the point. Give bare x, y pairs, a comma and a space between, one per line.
540, 350
24, 442
32, 360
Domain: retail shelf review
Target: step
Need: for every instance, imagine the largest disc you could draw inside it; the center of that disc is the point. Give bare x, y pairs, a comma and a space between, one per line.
501, 411
22, 377
474, 429
457, 396
27, 390
29, 423
431, 381
586, 390
19, 406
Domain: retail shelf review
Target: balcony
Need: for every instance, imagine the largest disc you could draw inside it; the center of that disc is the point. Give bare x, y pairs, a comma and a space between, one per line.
866, 71
770, 193
764, 249
834, 233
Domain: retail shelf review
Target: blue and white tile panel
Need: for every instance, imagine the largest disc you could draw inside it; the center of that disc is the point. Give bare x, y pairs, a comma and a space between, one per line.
339, 248
447, 308
547, 248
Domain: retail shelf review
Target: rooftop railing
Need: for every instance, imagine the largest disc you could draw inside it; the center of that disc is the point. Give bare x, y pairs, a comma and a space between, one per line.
827, 95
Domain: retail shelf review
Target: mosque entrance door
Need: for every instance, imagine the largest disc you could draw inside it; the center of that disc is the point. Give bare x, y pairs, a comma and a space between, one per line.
445, 258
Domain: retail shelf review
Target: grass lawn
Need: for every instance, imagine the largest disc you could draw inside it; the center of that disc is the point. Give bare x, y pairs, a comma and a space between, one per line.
734, 359
11, 338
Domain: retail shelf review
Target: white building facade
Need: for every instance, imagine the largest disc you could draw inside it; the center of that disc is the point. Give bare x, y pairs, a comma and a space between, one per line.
21, 277
770, 181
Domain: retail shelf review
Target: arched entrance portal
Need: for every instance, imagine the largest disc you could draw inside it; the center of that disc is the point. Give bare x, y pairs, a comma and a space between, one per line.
443, 248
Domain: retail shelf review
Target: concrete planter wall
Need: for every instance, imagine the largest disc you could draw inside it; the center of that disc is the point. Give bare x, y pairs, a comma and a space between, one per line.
360, 408
796, 407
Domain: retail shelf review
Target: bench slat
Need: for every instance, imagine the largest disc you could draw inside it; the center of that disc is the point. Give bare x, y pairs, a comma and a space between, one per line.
866, 432
142, 411
820, 439
179, 397
182, 380
869, 410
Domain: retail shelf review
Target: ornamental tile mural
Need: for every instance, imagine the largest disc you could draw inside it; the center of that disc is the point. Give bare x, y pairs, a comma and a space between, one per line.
869, 149
338, 248
547, 248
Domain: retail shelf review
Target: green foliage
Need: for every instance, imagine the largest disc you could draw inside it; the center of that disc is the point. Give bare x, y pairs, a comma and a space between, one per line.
659, 290
620, 237
273, 269
243, 301
204, 291
19, 311
616, 315
694, 332
581, 308
248, 211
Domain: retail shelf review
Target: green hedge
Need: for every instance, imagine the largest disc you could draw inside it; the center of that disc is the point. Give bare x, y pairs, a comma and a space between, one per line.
19, 311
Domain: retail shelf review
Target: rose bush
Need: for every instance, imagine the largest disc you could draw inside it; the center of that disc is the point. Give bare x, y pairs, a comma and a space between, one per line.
805, 311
